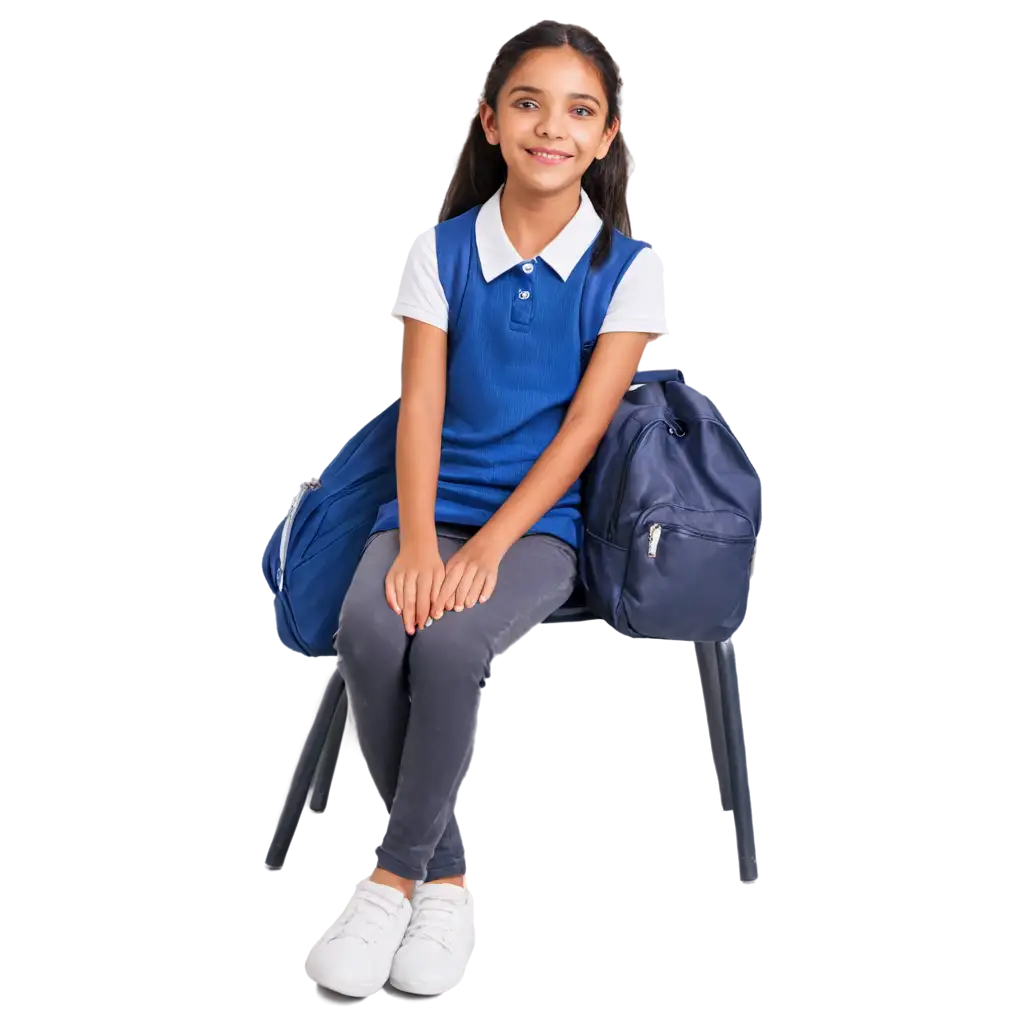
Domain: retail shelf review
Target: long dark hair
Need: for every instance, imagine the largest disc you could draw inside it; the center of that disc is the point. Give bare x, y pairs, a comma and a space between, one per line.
482, 169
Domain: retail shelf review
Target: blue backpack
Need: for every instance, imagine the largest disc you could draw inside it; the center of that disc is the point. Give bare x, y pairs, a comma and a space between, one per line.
312, 555
671, 509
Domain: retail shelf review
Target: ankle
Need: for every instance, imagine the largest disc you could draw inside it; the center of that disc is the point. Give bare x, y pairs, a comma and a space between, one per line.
451, 879
404, 885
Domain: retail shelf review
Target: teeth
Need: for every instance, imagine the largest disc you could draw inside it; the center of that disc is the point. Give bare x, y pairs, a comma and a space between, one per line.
548, 156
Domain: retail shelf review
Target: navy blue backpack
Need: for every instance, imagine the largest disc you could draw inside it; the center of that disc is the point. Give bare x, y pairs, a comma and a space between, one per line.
671, 510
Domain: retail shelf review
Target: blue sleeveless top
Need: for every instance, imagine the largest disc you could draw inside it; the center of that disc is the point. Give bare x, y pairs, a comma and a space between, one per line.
516, 352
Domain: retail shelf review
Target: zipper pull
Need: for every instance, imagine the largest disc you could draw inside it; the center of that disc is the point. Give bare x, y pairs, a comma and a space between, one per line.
653, 536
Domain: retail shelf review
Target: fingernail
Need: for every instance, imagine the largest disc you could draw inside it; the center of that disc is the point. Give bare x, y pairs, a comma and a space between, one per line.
458, 608
430, 622
482, 599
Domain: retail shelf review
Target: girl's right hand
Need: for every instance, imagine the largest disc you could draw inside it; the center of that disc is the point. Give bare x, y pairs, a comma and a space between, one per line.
413, 583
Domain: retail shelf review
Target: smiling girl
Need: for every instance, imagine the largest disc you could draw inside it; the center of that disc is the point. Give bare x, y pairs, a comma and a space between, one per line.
496, 425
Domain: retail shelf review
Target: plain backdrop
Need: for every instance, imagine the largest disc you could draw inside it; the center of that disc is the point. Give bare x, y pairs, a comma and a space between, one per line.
200, 217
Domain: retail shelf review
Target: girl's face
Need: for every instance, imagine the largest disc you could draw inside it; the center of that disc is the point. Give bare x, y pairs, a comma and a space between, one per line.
552, 100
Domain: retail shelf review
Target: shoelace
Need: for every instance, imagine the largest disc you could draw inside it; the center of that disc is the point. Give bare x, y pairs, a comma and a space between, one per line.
361, 912
431, 927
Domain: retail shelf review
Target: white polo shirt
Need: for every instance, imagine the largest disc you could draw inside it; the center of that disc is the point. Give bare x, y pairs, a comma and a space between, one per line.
637, 304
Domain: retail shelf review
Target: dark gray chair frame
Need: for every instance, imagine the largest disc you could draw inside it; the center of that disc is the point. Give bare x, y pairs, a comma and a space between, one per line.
717, 665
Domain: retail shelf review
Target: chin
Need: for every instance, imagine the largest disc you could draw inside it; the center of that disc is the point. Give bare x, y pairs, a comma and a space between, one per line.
547, 179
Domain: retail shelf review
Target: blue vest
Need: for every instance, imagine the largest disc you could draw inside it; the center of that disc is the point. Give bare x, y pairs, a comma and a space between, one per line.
517, 348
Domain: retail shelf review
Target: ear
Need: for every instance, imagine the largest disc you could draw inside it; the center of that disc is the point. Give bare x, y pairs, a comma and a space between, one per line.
609, 137
489, 122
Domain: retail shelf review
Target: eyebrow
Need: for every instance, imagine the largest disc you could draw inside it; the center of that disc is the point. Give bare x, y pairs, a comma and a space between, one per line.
572, 95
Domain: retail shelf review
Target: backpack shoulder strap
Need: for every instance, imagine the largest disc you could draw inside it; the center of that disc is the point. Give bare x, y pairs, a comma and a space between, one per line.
455, 240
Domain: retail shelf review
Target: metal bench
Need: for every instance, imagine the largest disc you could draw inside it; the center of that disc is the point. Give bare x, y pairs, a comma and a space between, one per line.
303, 786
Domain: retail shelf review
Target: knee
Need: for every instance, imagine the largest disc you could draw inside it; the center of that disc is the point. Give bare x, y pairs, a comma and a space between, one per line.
448, 657
367, 629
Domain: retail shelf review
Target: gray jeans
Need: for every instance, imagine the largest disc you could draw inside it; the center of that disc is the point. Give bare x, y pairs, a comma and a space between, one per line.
414, 699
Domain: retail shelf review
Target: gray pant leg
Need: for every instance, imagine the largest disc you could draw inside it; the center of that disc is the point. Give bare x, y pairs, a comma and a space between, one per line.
373, 648
447, 665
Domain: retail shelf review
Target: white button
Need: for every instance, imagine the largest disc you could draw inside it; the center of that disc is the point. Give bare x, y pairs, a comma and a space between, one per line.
527, 268
524, 295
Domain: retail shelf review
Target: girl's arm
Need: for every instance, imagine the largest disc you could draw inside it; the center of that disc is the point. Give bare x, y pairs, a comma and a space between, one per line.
609, 373
420, 418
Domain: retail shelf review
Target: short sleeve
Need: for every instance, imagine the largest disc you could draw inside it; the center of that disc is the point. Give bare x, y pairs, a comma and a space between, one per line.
638, 302
420, 294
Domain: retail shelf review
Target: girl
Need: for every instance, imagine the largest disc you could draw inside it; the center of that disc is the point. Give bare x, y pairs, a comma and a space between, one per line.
496, 426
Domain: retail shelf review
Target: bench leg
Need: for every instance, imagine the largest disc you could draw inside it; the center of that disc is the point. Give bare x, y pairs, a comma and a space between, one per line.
719, 689
304, 770
329, 757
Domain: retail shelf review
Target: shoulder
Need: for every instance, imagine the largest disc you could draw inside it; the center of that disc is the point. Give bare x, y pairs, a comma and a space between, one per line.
646, 264
421, 261
638, 258
457, 231
638, 302
420, 295
619, 238
466, 217
424, 247
628, 250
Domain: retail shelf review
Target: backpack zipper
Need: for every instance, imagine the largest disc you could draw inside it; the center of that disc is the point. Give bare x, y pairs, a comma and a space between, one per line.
343, 454
286, 532
653, 536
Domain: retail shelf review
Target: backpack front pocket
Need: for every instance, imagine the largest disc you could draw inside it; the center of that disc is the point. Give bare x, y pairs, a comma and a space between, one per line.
688, 573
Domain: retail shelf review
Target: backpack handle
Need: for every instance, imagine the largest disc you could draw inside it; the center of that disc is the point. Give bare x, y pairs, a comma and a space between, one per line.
653, 376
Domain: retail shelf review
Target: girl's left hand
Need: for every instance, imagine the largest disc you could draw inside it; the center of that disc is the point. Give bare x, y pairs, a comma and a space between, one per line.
469, 575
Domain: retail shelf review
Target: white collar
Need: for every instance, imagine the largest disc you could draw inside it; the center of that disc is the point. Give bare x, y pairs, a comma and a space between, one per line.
562, 253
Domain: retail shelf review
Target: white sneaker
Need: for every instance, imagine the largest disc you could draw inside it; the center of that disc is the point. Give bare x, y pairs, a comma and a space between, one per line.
437, 943
354, 955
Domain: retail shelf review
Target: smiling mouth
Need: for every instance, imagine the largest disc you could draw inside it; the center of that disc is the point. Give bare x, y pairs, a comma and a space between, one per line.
548, 158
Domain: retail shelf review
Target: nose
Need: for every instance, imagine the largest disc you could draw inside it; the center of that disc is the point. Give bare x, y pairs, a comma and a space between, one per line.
552, 125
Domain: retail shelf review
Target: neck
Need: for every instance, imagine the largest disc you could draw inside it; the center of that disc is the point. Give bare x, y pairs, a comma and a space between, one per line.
532, 219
